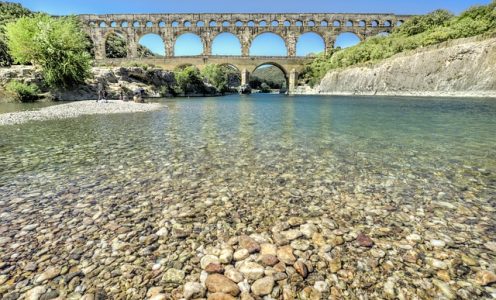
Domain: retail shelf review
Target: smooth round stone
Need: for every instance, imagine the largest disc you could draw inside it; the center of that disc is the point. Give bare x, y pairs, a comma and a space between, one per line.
438, 243
263, 286
414, 237
251, 270
193, 290
241, 254
208, 259
268, 249
217, 283
301, 245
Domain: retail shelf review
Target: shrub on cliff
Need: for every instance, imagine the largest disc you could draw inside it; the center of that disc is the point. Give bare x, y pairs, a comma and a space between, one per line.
9, 12
57, 45
21, 91
420, 31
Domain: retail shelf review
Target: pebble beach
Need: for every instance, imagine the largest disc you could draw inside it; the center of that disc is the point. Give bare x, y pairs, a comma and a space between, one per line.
75, 109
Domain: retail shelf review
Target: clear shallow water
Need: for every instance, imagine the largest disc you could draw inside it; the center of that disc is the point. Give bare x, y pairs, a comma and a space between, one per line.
409, 138
218, 167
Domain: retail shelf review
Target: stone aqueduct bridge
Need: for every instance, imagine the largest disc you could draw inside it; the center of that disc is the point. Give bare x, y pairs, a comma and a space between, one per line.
246, 27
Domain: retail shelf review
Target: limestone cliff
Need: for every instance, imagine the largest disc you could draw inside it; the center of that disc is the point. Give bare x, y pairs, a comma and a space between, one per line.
465, 67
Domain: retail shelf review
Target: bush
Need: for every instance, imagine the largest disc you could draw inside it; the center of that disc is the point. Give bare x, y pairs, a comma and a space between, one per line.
57, 45
188, 80
420, 31
21, 91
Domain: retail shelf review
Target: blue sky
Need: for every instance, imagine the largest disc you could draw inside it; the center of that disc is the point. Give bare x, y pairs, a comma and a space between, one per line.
263, 45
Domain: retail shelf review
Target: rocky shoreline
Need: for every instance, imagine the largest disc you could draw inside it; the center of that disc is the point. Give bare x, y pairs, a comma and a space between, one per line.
76, 109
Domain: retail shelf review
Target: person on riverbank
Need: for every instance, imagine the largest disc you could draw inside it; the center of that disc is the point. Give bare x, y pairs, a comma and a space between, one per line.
102, 93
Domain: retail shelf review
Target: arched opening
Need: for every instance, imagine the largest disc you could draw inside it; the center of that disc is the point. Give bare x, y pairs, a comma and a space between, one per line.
136, 24
324, 23
336, 24
149, 24
175, 24
161, 24
233, 75
362, 23
113, 24
92, 24
151, 45
226, 24
399, 23
115, 45
187, 24
226, 44
102, 25
212, 24
311, 23
188, 44
262, 24
287, 23
374, 23
268, 44
251, 24
200, 24
269, 78
387, 23
125, 24
309, 43
274, 23
346, 39
349, 23
299, 23
239, 23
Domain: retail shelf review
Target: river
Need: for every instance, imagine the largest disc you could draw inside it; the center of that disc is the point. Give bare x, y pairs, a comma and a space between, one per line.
415, 175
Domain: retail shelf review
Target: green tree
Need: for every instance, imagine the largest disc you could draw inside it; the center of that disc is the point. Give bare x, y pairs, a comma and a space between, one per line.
57, 45
9, 12
216, 76
188, 80
115, 46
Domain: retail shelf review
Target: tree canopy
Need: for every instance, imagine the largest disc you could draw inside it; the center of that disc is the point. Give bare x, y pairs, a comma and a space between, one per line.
57, 45
9, 12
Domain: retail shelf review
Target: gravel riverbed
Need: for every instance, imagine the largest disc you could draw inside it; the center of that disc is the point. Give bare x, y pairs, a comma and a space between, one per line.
75, 109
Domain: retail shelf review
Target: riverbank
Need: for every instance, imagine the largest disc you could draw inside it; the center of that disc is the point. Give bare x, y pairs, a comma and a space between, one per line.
459, 68
76, 109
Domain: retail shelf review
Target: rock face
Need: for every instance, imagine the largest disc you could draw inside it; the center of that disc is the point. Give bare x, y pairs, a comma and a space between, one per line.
457, 68
154, 82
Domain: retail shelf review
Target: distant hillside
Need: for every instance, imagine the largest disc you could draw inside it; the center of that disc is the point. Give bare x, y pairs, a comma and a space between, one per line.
271, 75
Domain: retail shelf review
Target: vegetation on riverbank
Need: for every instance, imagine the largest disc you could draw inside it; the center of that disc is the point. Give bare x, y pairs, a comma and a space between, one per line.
420, 31
22, 92
57, 45
9, 12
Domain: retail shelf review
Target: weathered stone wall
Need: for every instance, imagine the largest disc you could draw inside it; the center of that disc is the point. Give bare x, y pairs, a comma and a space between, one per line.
457, 68
244, 26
